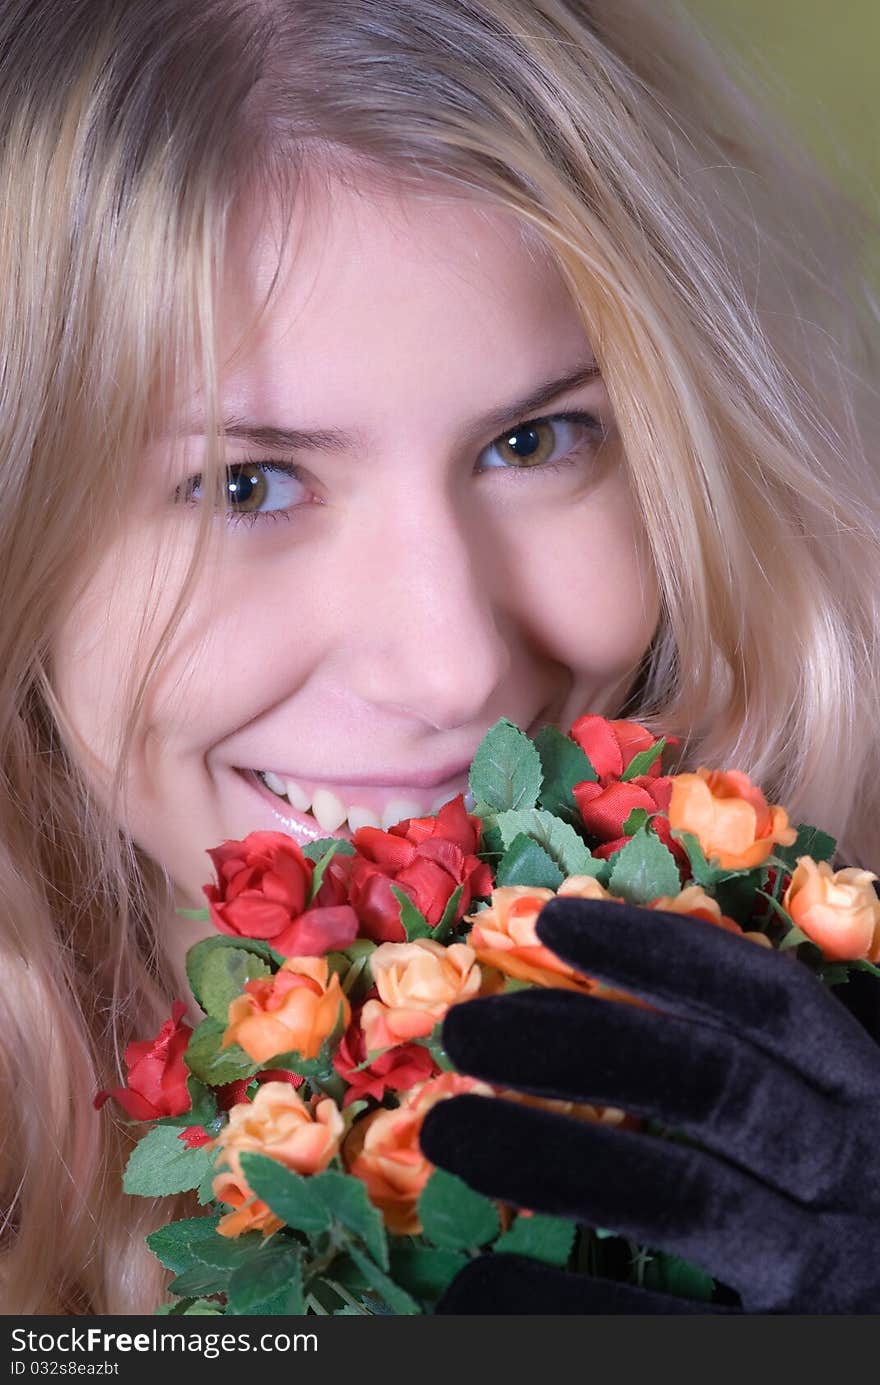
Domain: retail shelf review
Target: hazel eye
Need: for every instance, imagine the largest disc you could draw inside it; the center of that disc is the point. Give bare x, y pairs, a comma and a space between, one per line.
544, 443
250, 484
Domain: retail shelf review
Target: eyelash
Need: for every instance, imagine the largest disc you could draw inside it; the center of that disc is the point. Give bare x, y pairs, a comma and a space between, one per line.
252, 517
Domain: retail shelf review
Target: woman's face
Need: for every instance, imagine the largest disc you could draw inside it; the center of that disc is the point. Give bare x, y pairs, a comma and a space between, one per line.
433, 561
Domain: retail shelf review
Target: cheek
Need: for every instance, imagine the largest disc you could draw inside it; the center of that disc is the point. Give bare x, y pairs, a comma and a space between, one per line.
591, 583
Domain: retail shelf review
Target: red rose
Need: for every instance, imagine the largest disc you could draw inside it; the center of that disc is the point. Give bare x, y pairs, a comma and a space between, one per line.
265, 882
427, 858
611, 745
157, 1074
398, 1069
605, 808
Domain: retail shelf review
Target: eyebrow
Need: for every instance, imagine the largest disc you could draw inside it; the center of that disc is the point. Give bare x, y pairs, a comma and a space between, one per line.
336, 440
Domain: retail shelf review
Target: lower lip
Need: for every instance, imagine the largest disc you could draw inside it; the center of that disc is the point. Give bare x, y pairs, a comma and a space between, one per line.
303, 827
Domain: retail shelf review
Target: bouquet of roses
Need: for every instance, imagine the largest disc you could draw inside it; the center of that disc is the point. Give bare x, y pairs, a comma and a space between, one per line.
293, 1110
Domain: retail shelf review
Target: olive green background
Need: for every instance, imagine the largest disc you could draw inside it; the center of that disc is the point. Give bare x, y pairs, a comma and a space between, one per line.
819, 62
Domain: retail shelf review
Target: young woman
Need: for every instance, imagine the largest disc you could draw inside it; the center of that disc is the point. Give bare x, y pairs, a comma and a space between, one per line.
372, 370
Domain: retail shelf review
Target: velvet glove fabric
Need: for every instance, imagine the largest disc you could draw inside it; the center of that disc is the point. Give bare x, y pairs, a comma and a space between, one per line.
743, 1050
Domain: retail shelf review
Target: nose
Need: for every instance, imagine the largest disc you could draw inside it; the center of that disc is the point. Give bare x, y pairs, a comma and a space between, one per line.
432, 639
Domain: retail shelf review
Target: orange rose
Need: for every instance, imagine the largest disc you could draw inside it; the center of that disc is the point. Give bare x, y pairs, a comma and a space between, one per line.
729, 816
503, 935
838, 910
417, 982
294, 1009
383, 1150
694, 901
598, 1115
277, 1123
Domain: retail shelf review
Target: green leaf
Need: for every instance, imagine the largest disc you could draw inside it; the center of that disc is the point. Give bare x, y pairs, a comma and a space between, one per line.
213, 1064
560, 841
549, 1239
506, 770
641, 763
198, 1280
160, 1164
526, 863
637, 818
335, 849
192, 1308
564, 764
290, 1195
177, 1246
217, 975
786, 918
425, 1272
196, 1241
862, 964
315, 850
447, 918
453, 1216
345, 1198
701, 871
269, 1282
398, 1300
810, 841
670, 1274
644, 869
736, 896
793, 938
205, 1190
415, 925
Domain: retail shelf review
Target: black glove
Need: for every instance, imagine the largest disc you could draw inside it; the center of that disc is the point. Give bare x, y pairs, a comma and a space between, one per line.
747, 1053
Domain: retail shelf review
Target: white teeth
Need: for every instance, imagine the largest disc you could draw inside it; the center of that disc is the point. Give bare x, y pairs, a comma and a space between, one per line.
444, 798
274, 782
297, 795
327, 809
398, 809
361, 817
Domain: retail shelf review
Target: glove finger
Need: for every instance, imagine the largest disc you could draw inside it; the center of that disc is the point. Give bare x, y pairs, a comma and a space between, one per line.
706, 973
503, 1283
713, 1085
657, 1192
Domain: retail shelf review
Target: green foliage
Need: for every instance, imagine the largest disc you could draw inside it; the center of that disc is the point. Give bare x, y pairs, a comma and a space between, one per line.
564, 764
644, 869
212, 1063
160, 1164
526, 863
641, 763
313, 1204
506, 770
670, 1274
415, 925
453, 1216
323, 861
562, 844
269, 1281
218, 973
424, 1271
549, 1239
810, 841
337, 845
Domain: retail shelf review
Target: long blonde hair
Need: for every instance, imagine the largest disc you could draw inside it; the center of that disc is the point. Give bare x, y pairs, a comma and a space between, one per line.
718, 277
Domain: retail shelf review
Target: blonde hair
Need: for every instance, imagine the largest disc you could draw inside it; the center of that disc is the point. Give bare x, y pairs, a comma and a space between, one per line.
718, 277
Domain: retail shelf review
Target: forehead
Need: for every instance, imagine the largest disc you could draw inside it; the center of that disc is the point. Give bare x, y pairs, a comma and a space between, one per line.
372, 278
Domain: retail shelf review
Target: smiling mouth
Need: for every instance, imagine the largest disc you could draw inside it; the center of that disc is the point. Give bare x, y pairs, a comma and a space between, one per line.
343, 809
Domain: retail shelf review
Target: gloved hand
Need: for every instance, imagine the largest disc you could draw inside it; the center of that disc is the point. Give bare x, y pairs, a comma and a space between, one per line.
746, 1052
